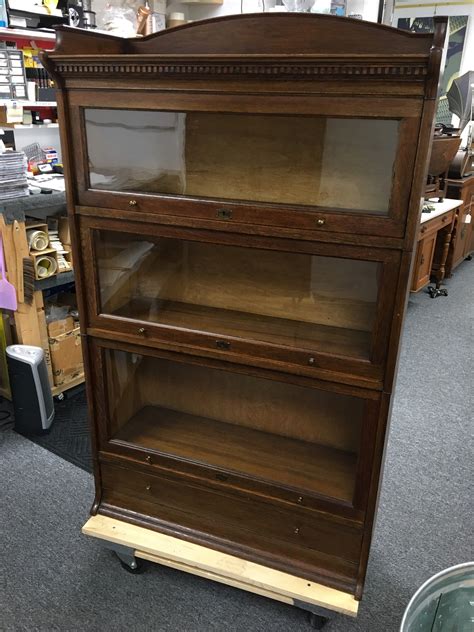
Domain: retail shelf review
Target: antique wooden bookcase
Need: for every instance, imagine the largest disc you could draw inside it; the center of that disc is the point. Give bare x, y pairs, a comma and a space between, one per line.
245, 194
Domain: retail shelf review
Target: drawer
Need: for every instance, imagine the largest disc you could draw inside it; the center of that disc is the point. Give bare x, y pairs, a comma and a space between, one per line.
256, 529
311, 308
434, 225
269, 169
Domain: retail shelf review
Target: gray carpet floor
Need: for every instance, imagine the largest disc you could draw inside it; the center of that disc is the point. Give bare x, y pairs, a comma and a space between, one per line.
52, 578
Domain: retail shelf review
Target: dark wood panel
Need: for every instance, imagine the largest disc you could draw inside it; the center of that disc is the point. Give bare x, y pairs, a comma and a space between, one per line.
250, 35
250, 355
297, 103
128, 456
423, 261
150, 219
139, 84
181, 355
279, 331
314, 547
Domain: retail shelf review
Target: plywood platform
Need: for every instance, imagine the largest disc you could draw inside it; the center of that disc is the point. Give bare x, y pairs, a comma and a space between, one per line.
220, 567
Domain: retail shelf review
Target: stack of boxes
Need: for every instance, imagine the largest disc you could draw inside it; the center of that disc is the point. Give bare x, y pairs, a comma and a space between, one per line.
64, 334
65, 350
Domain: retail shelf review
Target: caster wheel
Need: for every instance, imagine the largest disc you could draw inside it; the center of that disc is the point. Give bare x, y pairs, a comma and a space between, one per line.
138, 569
316, 621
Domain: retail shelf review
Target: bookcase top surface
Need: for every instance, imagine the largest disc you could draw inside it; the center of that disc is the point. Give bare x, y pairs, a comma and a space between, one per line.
285, 34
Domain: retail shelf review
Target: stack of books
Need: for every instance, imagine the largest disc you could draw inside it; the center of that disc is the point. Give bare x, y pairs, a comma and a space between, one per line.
56, 243
13, 181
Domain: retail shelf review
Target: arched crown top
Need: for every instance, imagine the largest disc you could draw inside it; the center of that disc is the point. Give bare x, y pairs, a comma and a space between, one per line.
261, 34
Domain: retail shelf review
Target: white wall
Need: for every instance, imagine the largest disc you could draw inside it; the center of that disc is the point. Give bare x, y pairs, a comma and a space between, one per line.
368, 8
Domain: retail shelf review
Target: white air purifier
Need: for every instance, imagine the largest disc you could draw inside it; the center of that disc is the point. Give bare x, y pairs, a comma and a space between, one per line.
31, 392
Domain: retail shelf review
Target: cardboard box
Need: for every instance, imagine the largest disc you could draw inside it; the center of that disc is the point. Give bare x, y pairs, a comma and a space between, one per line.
66, 357
59, 327
64, 232
10, 115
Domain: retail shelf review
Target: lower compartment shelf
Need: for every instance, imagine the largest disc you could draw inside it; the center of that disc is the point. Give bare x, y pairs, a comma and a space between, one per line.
302, 465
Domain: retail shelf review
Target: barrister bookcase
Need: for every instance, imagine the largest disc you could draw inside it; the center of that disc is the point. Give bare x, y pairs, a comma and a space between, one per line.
245, 193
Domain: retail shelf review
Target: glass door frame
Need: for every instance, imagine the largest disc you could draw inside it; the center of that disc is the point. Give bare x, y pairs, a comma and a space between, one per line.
350, 370
243, 214
113, 450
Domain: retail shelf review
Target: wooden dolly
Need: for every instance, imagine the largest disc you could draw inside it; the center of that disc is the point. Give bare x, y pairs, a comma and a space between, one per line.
130, 542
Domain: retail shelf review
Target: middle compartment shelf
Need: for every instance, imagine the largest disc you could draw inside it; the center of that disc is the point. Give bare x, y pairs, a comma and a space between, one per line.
298, 306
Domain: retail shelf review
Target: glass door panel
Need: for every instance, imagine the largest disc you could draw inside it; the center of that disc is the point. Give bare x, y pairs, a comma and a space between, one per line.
339, 163
295, 300
273, 431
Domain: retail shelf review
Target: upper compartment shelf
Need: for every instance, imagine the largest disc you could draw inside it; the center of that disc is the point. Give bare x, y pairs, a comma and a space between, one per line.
344, 164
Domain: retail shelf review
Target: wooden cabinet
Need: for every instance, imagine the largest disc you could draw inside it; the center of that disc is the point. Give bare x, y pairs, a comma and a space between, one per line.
245, 195
433, 244
423, 261
462, 244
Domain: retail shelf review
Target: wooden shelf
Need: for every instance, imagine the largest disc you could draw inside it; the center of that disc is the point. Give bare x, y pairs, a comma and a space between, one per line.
41, 126
30, 34
290, 462
62, 278
29, 104
280, 331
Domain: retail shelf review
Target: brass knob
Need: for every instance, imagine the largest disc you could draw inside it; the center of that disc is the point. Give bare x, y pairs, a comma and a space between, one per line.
142, 330
148, 459
321, 221
297, 530
132, 203
311, 360
223, 345
300, 499
148, 488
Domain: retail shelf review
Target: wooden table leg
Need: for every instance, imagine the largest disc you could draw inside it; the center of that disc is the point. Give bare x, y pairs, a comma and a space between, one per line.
435, 291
